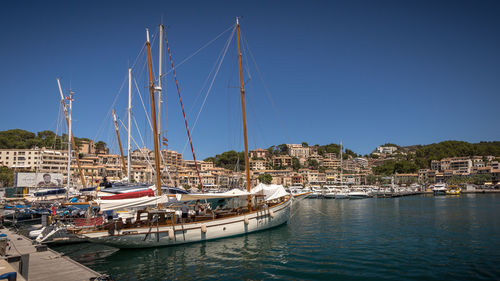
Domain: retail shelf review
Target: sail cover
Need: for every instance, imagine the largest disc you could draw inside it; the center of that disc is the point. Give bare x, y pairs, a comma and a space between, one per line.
269, 191
198, 196
107, 205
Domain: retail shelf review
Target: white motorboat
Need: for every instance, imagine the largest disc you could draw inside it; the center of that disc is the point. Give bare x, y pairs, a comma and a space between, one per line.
358, 195
439, 189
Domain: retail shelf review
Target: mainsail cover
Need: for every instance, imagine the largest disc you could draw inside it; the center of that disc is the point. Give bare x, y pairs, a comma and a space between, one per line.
107, 205
198, 196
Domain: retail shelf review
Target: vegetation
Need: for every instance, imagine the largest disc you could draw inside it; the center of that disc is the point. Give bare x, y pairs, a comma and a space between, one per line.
21, 139
391, 167
296, 164
281, 149
438, 151
266, 178
6, 176
229, 160
329, 148
475, 179
390, 144
100, 145
312, 164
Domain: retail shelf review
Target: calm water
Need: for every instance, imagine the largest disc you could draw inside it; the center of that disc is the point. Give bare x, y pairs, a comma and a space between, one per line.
410, 238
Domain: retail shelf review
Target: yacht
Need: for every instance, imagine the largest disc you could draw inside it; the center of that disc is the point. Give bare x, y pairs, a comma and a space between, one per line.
439, 189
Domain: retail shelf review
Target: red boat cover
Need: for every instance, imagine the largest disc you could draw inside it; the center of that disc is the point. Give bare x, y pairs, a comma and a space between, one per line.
88, 222
134, 194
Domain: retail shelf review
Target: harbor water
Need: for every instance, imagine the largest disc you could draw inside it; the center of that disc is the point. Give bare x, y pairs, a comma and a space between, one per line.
408, 238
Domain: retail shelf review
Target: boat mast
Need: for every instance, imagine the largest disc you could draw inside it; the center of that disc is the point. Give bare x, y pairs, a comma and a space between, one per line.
119, 142
129, 112
69, 140
82, 175
341, 166
158, 88
153, 116
243, 112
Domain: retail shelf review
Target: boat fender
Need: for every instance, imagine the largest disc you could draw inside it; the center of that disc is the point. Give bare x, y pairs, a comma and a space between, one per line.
171, 234
247, 221
204, 228
271, 213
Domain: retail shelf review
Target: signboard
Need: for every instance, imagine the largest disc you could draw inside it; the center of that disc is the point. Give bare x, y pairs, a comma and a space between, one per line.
38, 179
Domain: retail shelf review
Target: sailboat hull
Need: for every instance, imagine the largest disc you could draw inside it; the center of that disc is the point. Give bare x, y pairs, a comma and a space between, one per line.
144, 237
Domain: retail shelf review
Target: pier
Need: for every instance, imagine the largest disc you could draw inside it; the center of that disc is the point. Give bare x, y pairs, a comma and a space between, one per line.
43, 263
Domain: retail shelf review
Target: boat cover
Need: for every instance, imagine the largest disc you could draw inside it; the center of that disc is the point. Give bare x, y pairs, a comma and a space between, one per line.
270, 191
107, 205
134, 194
198, 196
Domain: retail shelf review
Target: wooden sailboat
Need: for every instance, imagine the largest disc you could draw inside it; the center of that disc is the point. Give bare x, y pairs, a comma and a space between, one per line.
265, 206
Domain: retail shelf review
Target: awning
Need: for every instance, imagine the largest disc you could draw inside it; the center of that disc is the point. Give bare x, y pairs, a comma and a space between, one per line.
270, 192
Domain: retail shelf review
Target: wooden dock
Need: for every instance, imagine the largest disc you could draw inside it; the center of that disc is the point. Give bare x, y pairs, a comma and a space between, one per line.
44, 265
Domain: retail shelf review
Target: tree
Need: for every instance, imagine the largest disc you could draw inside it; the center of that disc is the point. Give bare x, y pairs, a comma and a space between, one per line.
305, 144
313, 164
6, 176
296, 164
371, 179
100, 145
283, 149
266, 178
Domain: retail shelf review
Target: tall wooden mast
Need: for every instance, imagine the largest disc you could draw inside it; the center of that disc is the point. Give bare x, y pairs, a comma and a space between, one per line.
82, 175
153, 117
243, 113
119, 142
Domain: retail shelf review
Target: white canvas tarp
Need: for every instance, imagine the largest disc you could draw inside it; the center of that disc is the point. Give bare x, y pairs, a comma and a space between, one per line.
107, 205
198, 196
269, 191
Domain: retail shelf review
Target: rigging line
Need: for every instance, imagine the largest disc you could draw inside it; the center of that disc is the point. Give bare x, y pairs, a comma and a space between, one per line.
183, 113
207, 79
168, 172
212, 83
267, 90
256, 125
138, 131
148, 161
142, 102
139, 55
108, 114
200, 49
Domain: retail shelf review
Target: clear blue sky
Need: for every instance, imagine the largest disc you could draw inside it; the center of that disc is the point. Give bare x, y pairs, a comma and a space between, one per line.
366, 72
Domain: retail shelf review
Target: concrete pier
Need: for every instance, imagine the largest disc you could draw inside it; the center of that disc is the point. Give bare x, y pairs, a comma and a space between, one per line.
44, 264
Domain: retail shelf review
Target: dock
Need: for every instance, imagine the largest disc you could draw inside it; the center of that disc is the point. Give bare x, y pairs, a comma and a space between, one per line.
44, 264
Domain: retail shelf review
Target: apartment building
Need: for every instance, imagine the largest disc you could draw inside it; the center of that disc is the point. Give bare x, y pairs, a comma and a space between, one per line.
297, 150
259, 153
282, 160
258, 164
386, 149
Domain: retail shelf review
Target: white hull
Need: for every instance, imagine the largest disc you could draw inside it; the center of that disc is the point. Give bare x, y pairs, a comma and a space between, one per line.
341, 196
142, 237
357, 195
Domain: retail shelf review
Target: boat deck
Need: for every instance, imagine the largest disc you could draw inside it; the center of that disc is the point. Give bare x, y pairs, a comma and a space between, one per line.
46, 265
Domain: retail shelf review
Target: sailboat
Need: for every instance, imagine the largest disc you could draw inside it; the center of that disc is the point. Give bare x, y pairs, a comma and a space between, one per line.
255, 209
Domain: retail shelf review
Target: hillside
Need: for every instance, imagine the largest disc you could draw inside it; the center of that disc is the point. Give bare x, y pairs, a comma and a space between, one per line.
21, 139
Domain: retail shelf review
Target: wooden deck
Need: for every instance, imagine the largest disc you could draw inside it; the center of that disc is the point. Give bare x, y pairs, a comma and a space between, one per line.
46, 265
